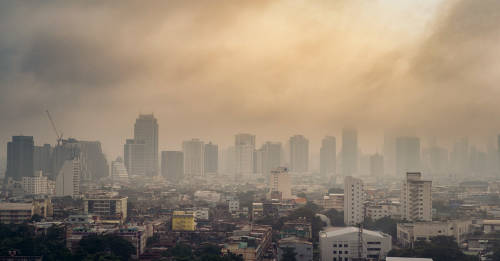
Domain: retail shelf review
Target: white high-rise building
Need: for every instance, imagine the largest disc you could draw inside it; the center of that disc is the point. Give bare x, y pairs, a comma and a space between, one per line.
280, 182
118, 171
349, 152
416, 198
37, 185
68, 180
193, 158
354, 197
146, 130
244, 145
299, 154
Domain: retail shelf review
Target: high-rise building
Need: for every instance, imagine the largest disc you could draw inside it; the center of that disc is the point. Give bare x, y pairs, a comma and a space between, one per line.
42, 159
211, 160
20, 157
354, 196
389, 154
119, 173
299, 154
328, 156
376, 165
349, 152
416, 198
270, 157
133, 153
172, 165
460, 165
407, 155
146, 129
244, 146
280, 183
193, 158
68, 179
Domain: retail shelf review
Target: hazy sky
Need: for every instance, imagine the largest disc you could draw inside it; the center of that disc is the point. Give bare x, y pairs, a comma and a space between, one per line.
210, 69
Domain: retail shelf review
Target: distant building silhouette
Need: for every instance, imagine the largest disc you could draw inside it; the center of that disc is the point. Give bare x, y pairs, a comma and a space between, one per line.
133, 153
349, 152
146, 129
244, 145
299, 154
376, 165
211, 161
172, 165
407, 155
328, 156
119, 173
268, 157
42, 159
193, 158
20, 157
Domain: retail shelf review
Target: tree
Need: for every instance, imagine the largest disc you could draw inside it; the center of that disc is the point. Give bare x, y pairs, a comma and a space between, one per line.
289, 254
385, 224
105, 246
336, 217
440, 248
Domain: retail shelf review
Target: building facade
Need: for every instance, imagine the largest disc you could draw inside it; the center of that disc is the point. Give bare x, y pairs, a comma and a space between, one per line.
20, 157
172, 165
299, 154
416, 198
194, 165
328, 156
354, 196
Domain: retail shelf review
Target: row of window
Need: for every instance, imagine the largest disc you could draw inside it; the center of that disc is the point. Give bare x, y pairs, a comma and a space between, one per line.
340, 245
340, 252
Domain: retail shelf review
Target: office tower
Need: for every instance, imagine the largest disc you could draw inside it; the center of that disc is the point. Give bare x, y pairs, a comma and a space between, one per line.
146, 129
407, 155
244, 145
270, 157
328, 156
68, 179
133, 153
299, 154
172, 165
280, 183
20, 157
376, 165
416, 198
211, 160
436, 160
354, 196
119, 172
389, 154
193, 158
229, 160
42, 156
36, 185
349, 152
460, 158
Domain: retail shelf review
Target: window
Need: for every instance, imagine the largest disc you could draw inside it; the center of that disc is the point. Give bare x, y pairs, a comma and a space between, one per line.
334, 259
345, 245
340, 251
334, 245
346, 252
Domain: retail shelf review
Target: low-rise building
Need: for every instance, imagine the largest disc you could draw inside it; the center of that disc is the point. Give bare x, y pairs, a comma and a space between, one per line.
302, 248
16, 213
409, 233
183, 221
333, 201
342, 243
300, 228
109, 209
36, 185
251, 242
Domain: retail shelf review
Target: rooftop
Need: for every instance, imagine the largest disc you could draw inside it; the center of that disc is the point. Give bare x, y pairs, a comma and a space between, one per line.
338, 231
16, 206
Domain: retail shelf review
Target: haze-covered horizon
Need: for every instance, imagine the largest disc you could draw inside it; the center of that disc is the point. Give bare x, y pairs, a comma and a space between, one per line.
273, 68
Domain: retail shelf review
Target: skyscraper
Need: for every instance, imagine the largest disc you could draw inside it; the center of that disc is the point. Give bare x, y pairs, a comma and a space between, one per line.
354, 196
389, 154
244, 146
349, 152
42, 159
211, 160
20, 157
270, 157
172, 165
133, 153
193, 158
376, 165
146, 129
407, 155
299, 154
459, 157
328, 156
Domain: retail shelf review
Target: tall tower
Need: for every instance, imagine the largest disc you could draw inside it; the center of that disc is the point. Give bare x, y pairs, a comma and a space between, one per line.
211, 160
349, 152
146, 129
376, 165
172, 165
20, 157
407, 155
244, 146
299, 154
193, 158
353, 201
133, 153
271, 157
328, 156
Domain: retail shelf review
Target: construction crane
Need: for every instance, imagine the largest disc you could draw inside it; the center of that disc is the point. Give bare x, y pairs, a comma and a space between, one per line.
58, 135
